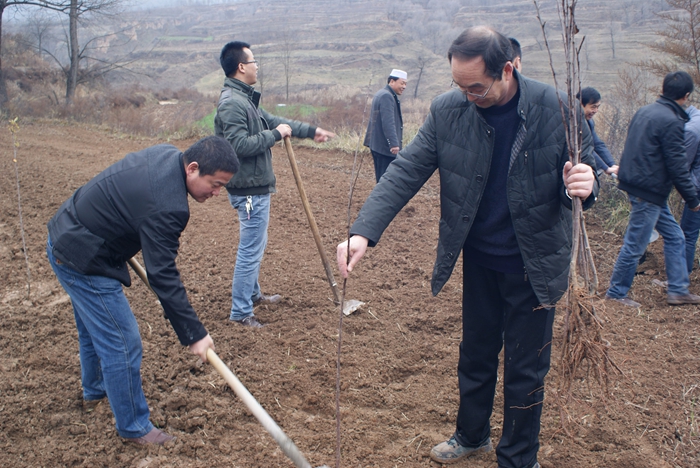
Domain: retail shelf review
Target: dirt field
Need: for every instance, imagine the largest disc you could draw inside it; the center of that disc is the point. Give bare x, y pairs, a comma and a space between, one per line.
399, 355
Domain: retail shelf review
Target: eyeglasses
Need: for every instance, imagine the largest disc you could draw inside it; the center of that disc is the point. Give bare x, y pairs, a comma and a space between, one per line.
251, 61
469, 93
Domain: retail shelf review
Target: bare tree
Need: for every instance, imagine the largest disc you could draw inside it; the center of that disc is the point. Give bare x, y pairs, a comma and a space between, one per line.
287, 44
421, 61
4, 4
79, 10
679, 42
612, 26
39, 24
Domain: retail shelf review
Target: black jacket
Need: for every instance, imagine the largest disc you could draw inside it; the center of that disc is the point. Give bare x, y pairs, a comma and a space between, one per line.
385, 126
137, 203
456, 140
654, 159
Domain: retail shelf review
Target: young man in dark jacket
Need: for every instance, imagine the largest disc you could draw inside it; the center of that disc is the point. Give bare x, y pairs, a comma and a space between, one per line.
590, 100
652, 163
690, 221
385, 127
506, 184
138, 203
252, 132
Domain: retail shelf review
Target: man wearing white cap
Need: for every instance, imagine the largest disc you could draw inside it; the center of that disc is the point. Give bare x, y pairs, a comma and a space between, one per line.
385, 127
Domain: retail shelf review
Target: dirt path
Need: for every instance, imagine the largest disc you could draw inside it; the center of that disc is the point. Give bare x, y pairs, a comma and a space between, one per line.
399, 385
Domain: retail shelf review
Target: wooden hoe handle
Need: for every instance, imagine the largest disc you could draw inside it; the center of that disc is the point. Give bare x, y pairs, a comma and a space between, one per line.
239, 389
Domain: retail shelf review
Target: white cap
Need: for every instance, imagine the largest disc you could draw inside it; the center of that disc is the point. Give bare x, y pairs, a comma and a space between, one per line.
398, 74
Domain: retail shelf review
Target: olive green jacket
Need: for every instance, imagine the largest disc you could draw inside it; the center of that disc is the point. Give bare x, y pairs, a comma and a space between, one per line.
252, 132
456, 140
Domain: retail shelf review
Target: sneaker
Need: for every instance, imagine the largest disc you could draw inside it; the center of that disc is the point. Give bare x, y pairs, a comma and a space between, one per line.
674, 299
155, 437
251, 322
624, 300
90, 405
662, 284
451, 452
263, 299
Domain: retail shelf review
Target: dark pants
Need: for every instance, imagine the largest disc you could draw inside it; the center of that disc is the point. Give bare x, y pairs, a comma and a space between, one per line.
502, 309
381, 163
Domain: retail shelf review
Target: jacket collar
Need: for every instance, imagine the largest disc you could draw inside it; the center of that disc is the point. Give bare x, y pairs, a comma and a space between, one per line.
673, 105
396, 96
248, 90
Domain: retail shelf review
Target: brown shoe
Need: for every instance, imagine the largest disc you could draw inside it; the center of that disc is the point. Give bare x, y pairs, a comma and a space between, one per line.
674, 299
90, 405
251, 322
155, 437
263, 299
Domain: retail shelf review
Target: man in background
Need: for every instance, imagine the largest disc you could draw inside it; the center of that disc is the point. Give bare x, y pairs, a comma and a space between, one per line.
690, 221
517, 54
137, 204
506, 192
653, 162
252, 133
590, 100
385, 128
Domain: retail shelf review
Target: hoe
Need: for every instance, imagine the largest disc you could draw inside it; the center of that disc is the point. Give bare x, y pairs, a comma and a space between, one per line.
285, 443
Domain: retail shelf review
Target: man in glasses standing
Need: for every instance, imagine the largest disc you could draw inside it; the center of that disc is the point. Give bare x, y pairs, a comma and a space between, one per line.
252, 132
506, 188
385, 127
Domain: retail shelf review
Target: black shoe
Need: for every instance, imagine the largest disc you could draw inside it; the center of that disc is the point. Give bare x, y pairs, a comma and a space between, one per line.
251, 322
263, 299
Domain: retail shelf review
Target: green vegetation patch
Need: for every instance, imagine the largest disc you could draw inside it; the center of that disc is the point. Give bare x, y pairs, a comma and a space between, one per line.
207, 122
295, 111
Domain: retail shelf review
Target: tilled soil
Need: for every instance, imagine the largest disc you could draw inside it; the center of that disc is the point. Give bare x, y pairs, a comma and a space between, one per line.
398, 386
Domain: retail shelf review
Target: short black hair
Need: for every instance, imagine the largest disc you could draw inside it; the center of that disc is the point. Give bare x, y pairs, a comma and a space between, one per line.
479, 41
517, 50
232, 54
212, 154
677, 84
392, 78
588, 96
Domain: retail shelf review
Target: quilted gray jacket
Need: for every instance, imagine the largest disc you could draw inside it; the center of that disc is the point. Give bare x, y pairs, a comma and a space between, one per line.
457, 141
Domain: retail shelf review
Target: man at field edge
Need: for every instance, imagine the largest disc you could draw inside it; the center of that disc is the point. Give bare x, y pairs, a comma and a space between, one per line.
385, 127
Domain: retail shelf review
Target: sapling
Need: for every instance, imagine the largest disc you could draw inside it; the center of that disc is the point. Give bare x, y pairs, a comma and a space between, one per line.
14, 129
583, 341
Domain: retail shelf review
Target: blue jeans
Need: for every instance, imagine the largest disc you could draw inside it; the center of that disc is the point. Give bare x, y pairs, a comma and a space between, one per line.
110, 346
690, 224
644, 218
253, 218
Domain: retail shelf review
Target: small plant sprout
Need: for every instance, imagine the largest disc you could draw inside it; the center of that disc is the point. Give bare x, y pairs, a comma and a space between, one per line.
14, 129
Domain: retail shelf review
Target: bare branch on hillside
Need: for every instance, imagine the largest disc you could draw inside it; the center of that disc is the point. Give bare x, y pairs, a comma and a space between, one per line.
679, 42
